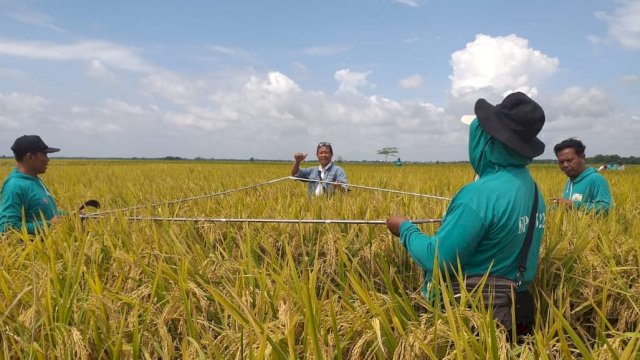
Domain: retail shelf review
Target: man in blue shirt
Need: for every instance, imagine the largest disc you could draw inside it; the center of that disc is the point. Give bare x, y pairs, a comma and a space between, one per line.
25, 199
325, 178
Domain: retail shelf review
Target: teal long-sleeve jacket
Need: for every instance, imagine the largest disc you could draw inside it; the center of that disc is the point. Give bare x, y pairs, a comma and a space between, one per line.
486, 222
589, 192
22, 192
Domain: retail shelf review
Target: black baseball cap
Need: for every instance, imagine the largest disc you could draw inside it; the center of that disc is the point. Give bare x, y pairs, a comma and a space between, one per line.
31, 144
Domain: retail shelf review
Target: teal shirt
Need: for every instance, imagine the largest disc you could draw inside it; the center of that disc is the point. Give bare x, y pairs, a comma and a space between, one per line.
486, 222
589, 192
22, 192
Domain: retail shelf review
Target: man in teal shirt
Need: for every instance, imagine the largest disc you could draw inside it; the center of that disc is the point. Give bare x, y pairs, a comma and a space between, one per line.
486, 222
25, 199
585, 189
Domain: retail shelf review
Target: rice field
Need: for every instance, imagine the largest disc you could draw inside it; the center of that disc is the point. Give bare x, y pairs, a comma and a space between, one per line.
113, 288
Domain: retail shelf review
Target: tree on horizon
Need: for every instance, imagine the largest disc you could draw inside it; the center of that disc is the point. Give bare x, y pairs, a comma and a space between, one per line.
389, 151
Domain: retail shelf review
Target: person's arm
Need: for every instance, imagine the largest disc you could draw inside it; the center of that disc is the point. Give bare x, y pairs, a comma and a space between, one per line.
298, 159
457, 237
561, 201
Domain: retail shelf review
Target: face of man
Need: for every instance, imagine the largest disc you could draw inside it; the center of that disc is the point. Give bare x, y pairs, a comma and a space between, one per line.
324, 156
36, 163
571, 163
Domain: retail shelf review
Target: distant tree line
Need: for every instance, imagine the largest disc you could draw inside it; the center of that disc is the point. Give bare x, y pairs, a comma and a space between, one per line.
608, 159
598, 159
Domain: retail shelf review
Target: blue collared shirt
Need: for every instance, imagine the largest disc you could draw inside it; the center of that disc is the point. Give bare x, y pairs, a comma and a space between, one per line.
334, 173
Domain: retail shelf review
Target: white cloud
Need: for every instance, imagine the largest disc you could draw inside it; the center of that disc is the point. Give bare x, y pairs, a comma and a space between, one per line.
595, 40
624, 23
576, 102
593, 116
119, 107
18, 102
254, 118
500, 63
22, 111
350, 81
631, 79
235, 53
11, 73
201, 119
276, 83
30, 17
98, 70
113, 55
172, 87
300, 69
74, 109
112, 116
269, 115
411, 3
325, 50
411, 82
223, 50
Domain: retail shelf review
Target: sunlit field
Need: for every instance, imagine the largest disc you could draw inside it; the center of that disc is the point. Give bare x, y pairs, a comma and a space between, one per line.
118, 288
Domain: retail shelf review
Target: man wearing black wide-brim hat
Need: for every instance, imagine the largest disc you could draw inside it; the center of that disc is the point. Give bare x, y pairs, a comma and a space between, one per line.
25, 199
488, 220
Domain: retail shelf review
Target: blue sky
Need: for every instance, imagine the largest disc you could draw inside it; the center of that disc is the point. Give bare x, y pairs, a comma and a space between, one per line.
264, 79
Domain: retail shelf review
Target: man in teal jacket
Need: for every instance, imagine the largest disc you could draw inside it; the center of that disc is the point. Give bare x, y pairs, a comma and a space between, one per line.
25, 199
485, 224
585, 189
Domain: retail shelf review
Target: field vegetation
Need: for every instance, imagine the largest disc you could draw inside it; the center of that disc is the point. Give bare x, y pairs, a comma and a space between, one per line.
114, 288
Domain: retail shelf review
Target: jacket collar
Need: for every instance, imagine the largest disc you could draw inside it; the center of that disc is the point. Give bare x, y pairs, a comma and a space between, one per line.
329, 165
588, 171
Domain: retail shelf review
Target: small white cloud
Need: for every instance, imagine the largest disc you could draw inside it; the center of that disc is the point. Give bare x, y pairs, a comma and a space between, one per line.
113, 55
500, 63
78, 109
200, 119
411, 3
235, 53
411, 82
624, 23
11, 73
595, 40
350, 81
411, 40
300, 69
325, 50
98, 70
8, 123
30, 17
19, 102
119, 107
172, 87
276, 83
222, 49
19, 110
630, 79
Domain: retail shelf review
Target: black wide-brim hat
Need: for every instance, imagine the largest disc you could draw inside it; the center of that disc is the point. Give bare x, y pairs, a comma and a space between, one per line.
515, 122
